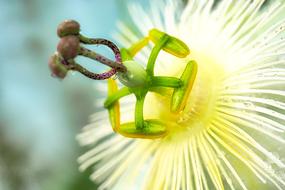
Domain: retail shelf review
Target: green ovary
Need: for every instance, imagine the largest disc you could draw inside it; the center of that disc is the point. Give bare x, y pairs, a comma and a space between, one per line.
136, 75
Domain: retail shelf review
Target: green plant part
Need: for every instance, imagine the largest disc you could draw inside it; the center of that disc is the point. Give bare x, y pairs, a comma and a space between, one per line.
137, 79
140, 81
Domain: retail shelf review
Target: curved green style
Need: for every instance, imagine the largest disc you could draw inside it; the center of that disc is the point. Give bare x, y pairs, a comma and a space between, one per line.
140, 81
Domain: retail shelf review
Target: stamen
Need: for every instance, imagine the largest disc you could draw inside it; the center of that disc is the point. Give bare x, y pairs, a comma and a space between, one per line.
137, 79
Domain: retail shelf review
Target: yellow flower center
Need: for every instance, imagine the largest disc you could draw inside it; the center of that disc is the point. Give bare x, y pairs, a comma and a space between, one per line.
201, 103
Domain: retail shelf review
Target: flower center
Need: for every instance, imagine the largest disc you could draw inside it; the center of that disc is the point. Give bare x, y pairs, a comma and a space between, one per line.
201, 103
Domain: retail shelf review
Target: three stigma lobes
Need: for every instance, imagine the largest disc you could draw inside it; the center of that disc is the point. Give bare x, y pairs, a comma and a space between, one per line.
136, 79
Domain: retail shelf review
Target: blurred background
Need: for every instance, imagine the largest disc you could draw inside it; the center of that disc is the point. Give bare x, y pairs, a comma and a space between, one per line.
40, 115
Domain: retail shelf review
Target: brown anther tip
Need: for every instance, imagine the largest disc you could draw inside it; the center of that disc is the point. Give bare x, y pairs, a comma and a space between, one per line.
68, 27
57, 69
68, 47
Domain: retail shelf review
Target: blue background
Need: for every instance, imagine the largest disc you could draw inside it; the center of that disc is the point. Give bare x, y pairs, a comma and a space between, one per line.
39, 115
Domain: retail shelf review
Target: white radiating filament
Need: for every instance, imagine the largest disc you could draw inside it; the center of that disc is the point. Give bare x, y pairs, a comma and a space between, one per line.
235, 113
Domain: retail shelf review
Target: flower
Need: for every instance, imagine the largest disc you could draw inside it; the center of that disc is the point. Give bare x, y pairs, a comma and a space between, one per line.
232, 127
